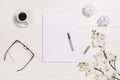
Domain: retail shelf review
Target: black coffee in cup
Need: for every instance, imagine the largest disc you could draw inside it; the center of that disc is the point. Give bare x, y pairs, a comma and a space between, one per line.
22, 16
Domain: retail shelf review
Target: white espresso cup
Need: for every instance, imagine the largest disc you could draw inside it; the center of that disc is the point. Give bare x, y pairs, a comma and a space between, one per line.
22, 18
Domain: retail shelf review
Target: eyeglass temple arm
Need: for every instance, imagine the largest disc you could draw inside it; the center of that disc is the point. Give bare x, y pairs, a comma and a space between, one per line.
9, 49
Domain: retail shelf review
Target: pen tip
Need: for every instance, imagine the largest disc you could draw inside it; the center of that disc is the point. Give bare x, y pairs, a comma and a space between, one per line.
68, 35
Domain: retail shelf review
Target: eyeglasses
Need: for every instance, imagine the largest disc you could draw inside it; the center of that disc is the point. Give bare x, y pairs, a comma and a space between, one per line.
15, 42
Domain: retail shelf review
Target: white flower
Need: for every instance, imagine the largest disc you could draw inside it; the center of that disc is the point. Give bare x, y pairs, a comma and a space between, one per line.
110, 55
98, 43
85, 67
102, 36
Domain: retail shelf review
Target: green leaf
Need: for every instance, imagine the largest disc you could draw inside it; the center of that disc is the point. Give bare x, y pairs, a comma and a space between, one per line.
97, 33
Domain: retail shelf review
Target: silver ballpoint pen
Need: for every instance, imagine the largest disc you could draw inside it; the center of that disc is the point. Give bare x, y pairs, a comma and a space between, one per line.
86, 50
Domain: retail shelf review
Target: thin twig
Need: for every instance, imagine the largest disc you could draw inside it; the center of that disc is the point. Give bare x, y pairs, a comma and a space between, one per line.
112, 65
105, 54
103, 51
115, 62
99, 70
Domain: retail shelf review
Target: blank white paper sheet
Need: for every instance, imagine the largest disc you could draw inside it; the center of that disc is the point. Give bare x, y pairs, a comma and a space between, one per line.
56, 46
